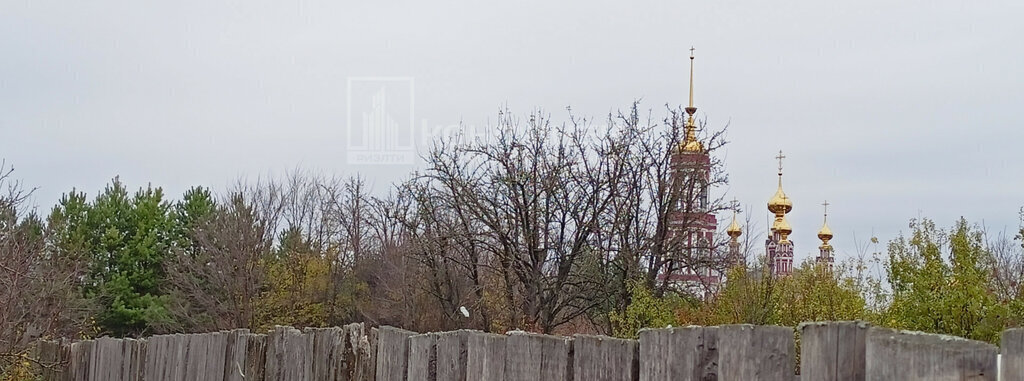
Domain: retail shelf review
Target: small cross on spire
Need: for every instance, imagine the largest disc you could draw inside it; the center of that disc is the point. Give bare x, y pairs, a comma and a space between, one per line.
826, 204
780, 157
691, 51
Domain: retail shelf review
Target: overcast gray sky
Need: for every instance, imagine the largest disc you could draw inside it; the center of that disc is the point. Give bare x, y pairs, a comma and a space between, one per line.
888, 109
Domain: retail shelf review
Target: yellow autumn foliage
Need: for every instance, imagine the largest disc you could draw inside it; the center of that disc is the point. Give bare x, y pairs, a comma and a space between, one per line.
295, 291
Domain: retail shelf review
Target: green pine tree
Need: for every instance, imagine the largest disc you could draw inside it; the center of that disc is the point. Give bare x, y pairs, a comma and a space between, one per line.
125, 240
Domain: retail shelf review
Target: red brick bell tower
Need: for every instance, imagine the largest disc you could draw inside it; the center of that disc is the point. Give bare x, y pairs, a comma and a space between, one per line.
691, 225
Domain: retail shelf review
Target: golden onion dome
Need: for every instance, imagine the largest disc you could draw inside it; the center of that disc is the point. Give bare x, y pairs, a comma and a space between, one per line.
782, 226
825, 233
780, 204
734, 230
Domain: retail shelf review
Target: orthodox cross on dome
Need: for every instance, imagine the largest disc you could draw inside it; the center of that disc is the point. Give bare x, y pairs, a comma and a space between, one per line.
780, 157
826, 204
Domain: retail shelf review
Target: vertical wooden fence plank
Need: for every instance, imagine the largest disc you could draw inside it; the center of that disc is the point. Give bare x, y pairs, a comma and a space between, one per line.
360, 353
278, 363
832, 351
275, 355
65, 350
392, 353
684, 353
1012, 349
134, 352
452, 355
152, 370
372, 337
165, 357
601, 358
900, 355
422, 357
530, 356
216, 356
747, 352
127, 358
301, 353
325, 353
190, 346
288, 352
353, 363
81, 353
236, 343
107, 359
46, 353
54, 360
156, 355
166, 353
320, 353
96, 366
65, 361
485, 360
336, 369
256, 357
195, 358
657, 354
141, 364
177, 357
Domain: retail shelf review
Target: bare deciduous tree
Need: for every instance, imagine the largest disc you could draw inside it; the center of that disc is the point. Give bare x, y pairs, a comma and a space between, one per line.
560, 216
217, 286
1005, 263
38, 294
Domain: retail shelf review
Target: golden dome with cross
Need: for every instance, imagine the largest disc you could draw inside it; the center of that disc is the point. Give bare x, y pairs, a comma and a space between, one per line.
825, 234
780, 204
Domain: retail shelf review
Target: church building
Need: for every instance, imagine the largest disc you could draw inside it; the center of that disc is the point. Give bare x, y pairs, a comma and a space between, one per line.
693, 225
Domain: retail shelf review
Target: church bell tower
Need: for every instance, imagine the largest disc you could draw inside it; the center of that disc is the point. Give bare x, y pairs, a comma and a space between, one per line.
778, 246
690, 222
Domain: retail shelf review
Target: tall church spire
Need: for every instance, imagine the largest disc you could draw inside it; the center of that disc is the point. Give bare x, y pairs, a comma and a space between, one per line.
690, 143
691, 84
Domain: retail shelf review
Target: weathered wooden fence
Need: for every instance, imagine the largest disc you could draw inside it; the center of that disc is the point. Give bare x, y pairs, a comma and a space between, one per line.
829, 351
